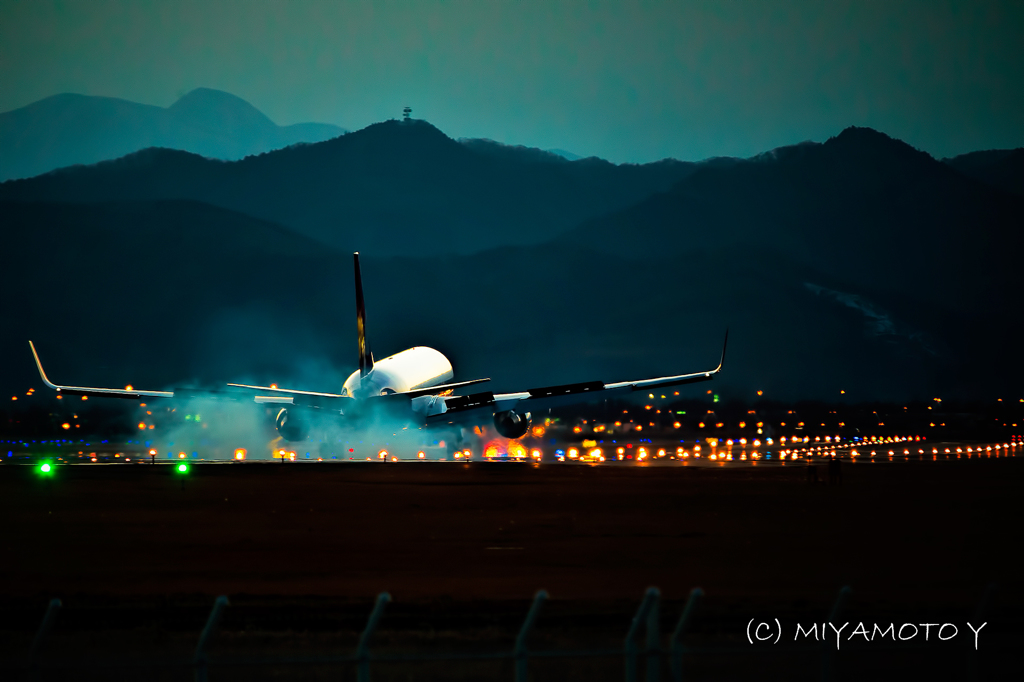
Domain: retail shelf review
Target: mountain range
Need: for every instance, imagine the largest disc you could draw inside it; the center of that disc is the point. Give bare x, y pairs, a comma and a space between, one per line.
70, 129
393, 188
857, 264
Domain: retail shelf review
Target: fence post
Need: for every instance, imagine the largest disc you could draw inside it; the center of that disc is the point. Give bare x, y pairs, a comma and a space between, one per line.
676, 642
520, 653
654, 642
363, 650
199, 659
629, 648
44, 629
833, 617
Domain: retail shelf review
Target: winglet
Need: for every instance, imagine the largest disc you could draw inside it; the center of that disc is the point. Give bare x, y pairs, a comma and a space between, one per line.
39, 366
724, 344
365, 356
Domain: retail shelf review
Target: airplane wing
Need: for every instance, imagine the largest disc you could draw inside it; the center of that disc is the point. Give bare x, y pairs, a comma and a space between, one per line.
459, 407
131, 393
265, 394
430, 390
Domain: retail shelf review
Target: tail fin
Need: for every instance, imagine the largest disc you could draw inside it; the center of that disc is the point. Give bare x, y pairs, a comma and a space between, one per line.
365, 356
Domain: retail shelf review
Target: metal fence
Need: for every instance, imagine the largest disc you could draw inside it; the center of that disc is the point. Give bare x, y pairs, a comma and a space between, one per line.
652, 653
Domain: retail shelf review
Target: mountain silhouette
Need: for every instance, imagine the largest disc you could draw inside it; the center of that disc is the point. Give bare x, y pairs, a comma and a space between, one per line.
393, 188
859, 264
70, 129
1001, 168
879, 214
168, 293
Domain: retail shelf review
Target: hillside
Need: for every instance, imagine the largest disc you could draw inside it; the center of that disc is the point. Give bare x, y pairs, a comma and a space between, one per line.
858, 264
1000, 168
393, 188
170, 293
70, 129
873, 211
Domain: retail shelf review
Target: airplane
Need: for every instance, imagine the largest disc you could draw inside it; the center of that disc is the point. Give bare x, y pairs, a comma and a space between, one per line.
410, 385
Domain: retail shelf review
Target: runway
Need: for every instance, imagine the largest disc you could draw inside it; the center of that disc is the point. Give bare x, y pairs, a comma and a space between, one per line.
487, 531
137, 552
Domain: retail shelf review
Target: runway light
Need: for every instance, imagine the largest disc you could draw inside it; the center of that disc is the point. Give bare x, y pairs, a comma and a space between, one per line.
182, 468
65, 426
421, 454
45, 468
240, 454
383, 454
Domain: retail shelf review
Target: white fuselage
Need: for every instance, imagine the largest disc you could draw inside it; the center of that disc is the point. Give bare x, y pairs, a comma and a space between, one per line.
415, 368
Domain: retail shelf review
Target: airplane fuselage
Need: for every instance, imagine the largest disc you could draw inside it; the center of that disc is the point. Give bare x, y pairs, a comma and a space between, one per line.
412, 369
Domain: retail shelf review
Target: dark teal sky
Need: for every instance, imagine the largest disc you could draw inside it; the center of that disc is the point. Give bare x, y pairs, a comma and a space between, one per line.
629, 81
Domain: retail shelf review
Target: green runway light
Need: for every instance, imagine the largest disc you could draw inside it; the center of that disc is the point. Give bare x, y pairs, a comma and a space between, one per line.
45, 468
183, 468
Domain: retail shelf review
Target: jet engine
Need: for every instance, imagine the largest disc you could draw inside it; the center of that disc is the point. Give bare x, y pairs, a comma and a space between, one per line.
290, 426
512, 424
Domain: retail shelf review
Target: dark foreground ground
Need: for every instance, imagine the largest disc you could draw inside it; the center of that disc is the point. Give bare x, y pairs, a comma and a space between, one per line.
302, 550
